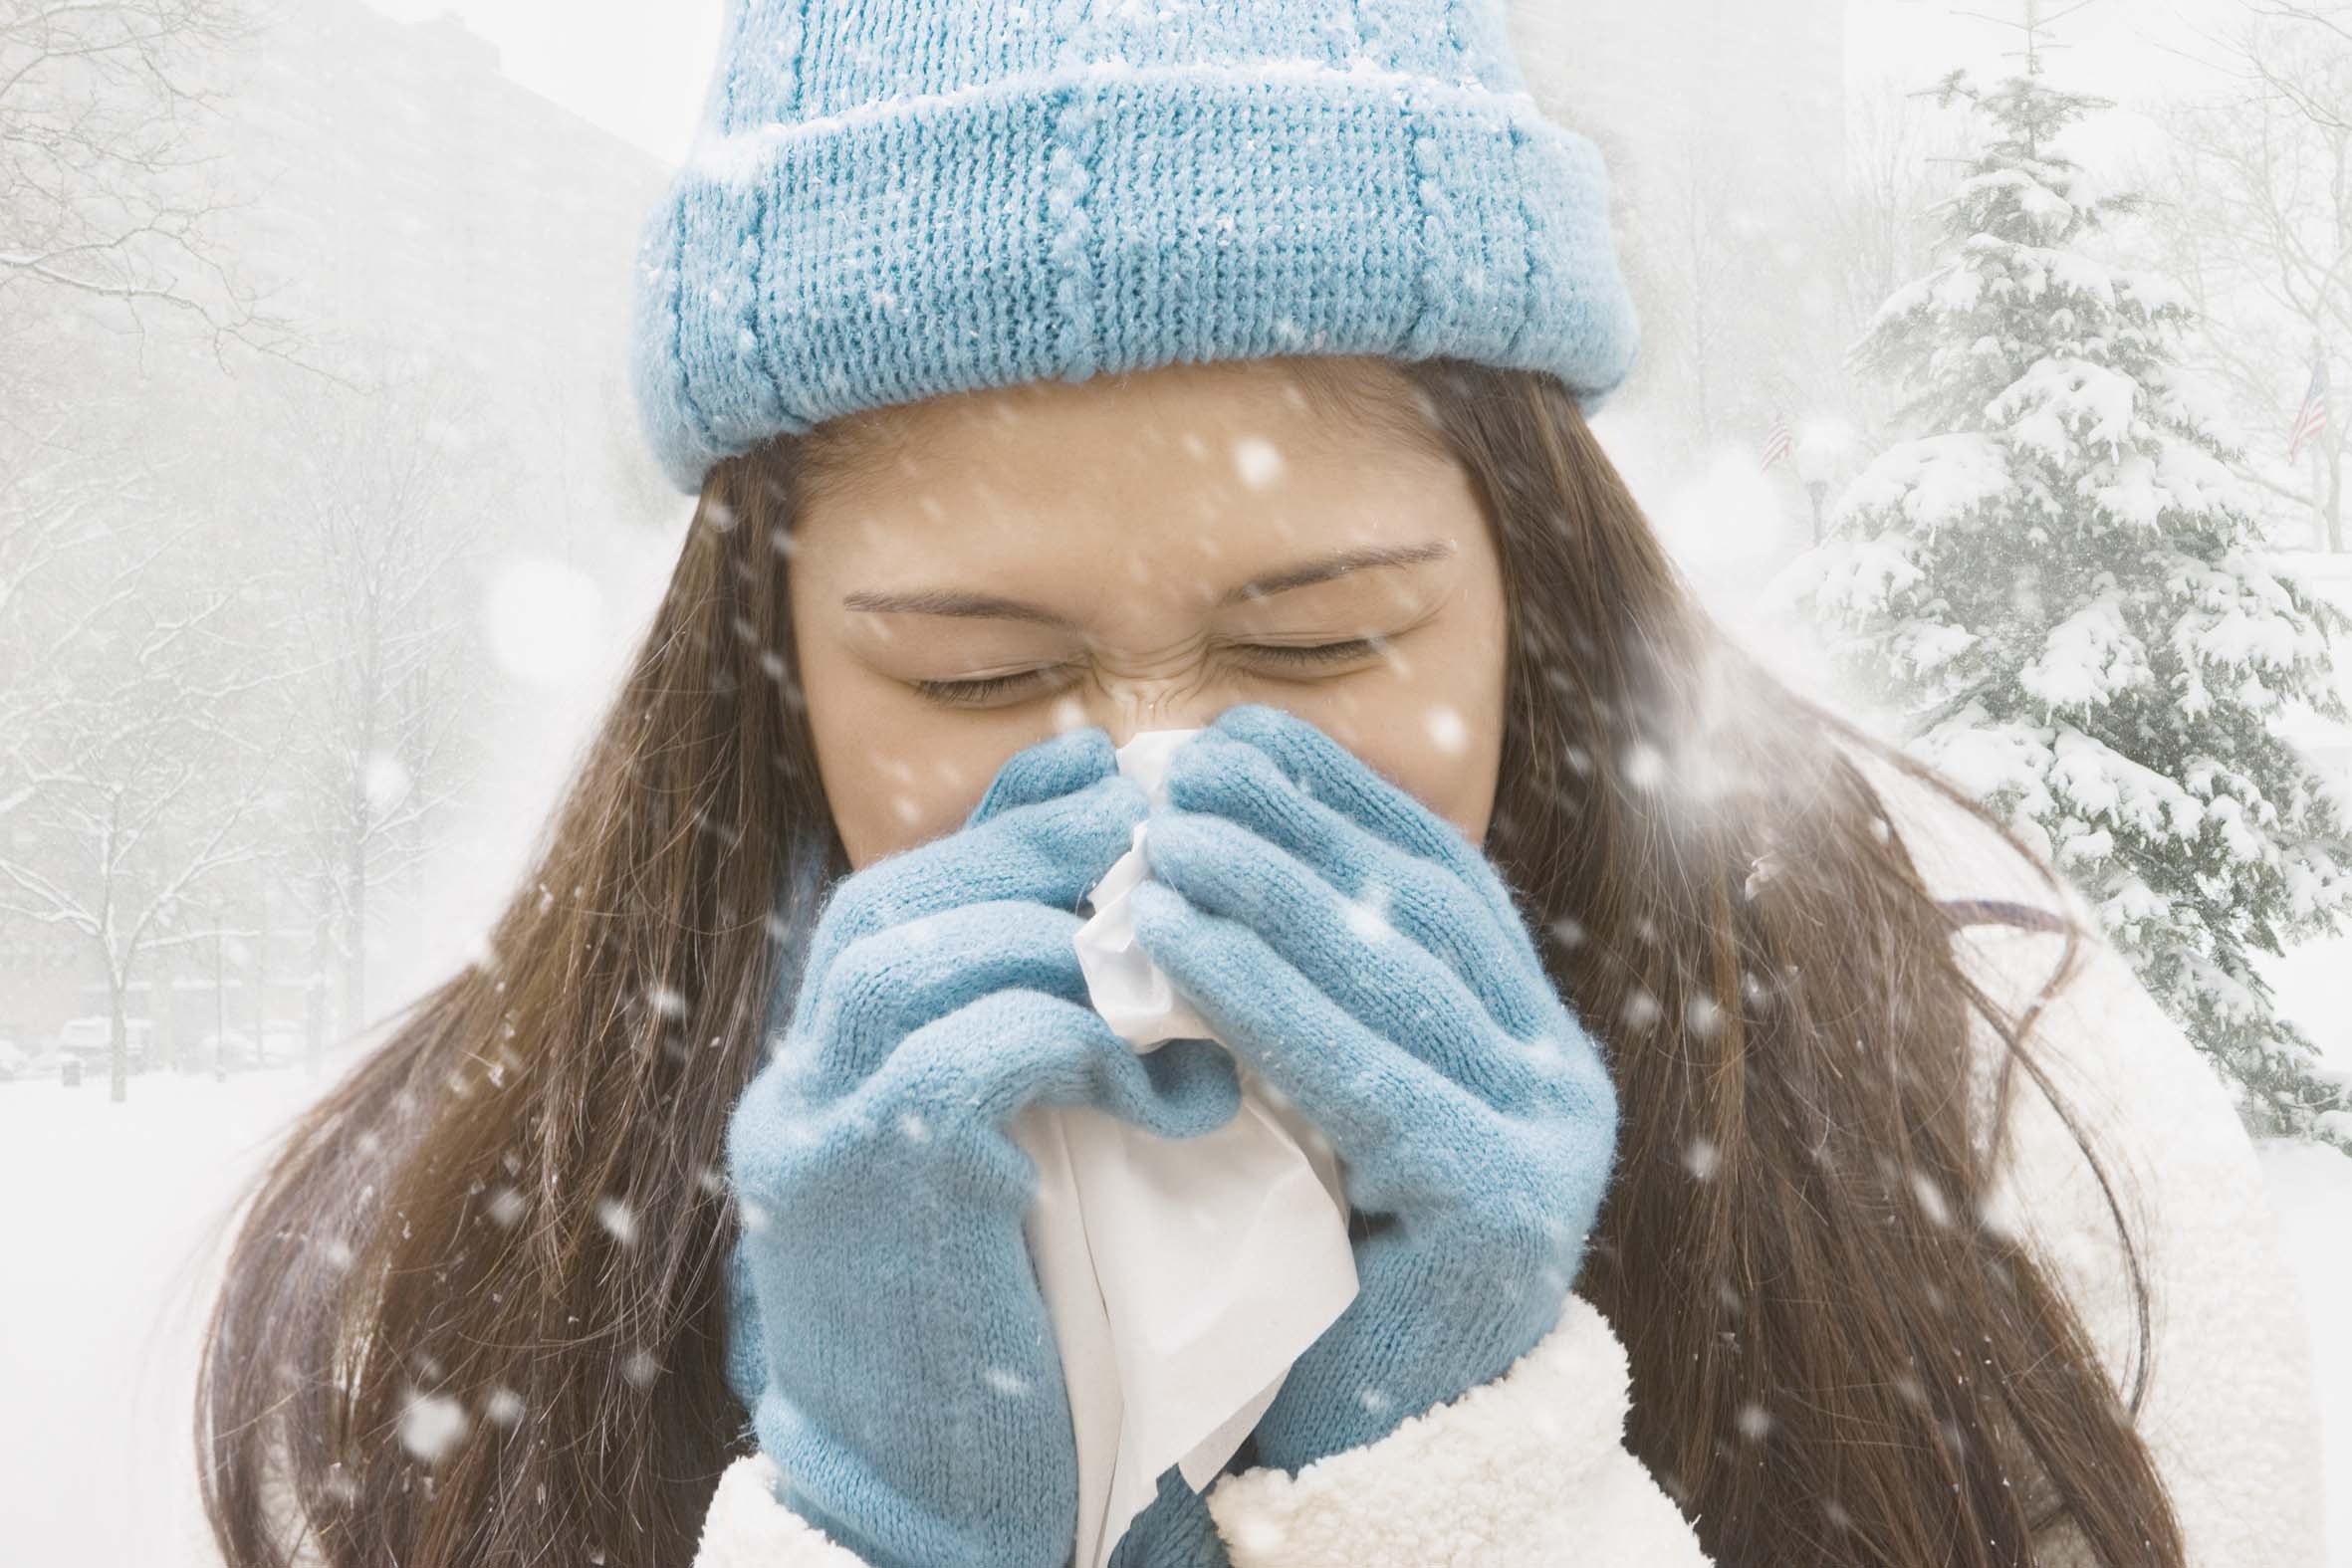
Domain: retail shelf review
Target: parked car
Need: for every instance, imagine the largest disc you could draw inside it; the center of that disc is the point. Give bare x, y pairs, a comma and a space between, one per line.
232, 1049
15, 1060
91, 1040
283, 1044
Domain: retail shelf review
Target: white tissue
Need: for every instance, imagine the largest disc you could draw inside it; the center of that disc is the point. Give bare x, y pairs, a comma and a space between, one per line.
1183, 1275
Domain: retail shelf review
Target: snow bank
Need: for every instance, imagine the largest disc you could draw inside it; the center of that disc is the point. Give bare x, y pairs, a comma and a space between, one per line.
112, 1219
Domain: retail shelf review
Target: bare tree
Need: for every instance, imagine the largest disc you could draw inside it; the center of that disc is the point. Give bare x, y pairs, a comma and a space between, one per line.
2258, 231
106, 197
389, 503
128, 774
1701, 244
47, 520
1880, 225
2312, 24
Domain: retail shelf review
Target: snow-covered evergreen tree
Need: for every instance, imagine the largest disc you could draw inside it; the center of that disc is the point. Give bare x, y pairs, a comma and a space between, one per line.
2057, 595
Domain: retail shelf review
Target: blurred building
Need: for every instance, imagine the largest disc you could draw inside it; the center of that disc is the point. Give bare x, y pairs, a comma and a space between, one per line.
408, 210
407, 192
1764, 78
1724, 123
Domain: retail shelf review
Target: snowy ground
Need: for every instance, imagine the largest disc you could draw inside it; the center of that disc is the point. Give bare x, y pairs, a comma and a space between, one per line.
109, 1218
2312, 1187
2314, 1191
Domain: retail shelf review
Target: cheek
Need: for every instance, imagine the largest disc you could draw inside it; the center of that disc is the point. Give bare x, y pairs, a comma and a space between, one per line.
893, 784
896, 774
1436, 729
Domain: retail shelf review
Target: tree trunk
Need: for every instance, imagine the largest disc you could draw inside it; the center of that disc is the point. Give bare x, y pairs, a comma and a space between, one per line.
354, 974
313, 991
2333, 490
166, 1040
119, 1042
259, 965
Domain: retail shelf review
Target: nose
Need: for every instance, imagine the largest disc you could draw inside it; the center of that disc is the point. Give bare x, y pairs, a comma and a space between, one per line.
1126, 706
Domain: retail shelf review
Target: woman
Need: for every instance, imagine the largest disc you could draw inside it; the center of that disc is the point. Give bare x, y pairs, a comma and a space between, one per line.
1753, 1160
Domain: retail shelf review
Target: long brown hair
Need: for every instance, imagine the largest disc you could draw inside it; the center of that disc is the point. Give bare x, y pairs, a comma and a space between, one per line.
476, 1312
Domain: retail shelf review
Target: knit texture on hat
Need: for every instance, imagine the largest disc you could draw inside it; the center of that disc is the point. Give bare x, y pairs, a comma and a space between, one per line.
892, 201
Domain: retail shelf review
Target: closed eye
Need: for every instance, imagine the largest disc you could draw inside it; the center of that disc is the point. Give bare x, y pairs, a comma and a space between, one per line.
967, 692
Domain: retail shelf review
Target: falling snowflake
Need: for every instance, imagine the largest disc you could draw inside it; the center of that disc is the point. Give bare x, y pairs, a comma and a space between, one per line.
1931, 1198
1367, 917
1702, 1017
1258, 461
431, 1425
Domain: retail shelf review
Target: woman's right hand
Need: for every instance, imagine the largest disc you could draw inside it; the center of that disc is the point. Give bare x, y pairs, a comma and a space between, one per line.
909, 1385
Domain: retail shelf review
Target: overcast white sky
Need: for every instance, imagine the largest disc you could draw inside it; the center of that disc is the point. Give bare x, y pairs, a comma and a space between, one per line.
638, 67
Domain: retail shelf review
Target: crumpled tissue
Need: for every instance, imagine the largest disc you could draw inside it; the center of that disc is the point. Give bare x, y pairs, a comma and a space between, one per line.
1182, 1275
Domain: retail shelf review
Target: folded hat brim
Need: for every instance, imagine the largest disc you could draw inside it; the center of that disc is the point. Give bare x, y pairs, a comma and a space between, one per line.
1108, 218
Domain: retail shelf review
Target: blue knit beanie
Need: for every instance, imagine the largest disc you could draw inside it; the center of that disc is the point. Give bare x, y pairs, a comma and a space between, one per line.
891, 201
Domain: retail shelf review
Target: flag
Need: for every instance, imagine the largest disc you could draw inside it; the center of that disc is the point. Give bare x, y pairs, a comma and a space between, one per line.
1779, 443
2314, 416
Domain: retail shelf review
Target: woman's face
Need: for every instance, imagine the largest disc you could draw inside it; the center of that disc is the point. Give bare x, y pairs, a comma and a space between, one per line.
973, 573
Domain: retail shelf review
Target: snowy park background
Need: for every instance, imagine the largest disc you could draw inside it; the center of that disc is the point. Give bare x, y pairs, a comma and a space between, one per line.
325, 524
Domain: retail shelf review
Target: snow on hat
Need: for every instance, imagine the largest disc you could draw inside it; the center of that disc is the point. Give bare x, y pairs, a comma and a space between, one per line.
890, 202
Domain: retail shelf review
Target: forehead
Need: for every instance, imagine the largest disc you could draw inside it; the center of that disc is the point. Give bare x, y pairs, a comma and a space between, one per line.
1249, 421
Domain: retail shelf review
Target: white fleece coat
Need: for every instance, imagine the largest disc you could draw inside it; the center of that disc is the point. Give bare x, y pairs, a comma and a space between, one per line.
1529, 1470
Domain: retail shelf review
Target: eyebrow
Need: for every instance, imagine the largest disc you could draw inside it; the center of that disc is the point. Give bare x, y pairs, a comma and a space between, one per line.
991, 606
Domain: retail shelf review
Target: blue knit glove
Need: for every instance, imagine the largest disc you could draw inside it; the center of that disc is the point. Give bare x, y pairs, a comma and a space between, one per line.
1174, 1530
1366, 959
906, 1376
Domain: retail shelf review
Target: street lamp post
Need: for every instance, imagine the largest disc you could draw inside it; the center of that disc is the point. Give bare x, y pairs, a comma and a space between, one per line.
220, 1005
1819, 452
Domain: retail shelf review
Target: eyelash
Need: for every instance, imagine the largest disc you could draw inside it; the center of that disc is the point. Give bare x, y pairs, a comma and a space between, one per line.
963, 692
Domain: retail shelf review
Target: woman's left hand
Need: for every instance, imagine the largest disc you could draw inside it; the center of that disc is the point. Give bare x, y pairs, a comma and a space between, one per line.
1174, 1530
1366, 961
